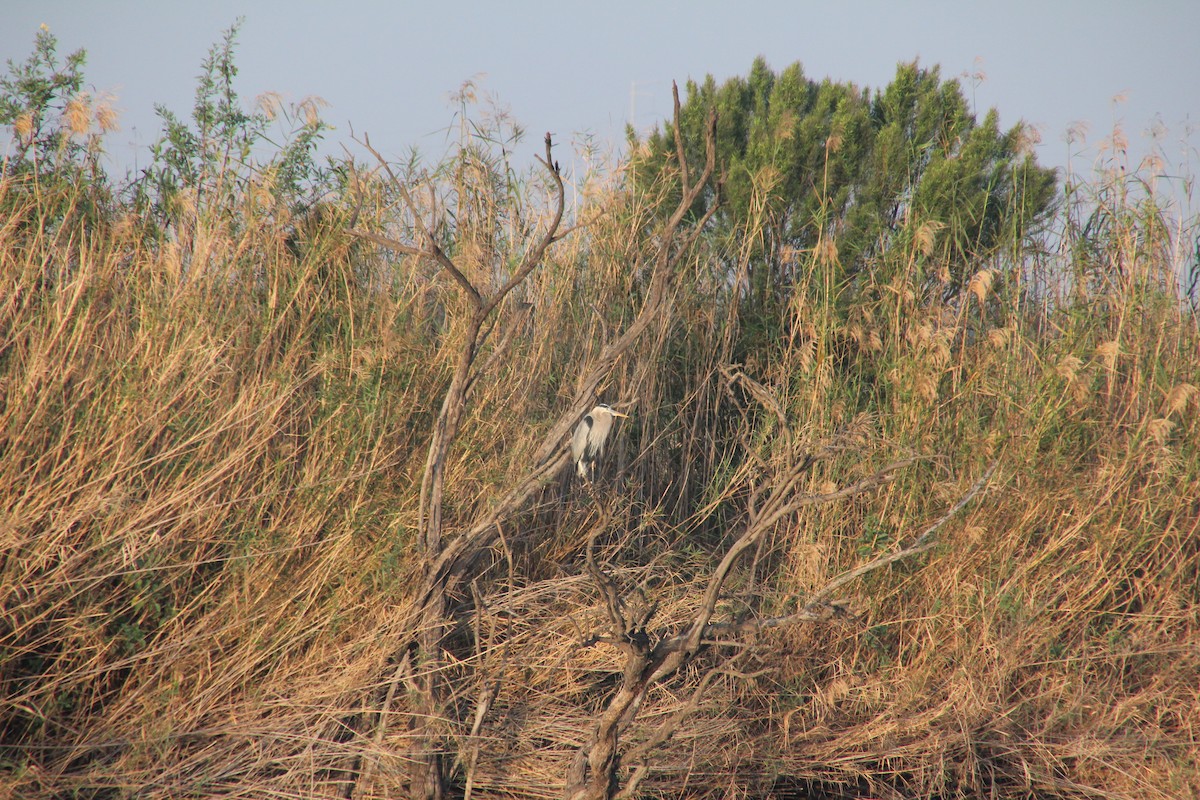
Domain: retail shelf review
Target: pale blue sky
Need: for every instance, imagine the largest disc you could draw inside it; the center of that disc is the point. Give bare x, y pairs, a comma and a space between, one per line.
389, 68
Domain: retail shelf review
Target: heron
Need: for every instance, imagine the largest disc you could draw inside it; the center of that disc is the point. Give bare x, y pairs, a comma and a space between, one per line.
587, 445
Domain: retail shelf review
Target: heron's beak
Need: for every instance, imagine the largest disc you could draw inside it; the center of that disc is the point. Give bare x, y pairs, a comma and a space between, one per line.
619, 414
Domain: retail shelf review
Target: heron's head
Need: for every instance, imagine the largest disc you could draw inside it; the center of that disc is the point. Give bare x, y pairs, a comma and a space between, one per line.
606, 408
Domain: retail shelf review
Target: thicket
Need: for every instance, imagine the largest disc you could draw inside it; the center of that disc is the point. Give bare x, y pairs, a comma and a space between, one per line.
907, 504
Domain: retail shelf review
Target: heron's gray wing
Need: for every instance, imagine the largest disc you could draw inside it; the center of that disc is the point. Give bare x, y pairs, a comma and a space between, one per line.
579, 442
598, 435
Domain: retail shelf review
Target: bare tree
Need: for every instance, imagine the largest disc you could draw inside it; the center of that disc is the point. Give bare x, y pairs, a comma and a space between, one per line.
449, 563
651, 656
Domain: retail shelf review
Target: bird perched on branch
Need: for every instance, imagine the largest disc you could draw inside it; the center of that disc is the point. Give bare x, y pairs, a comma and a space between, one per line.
587, 445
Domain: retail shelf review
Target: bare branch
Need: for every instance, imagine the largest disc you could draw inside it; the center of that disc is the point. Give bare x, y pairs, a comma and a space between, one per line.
762, 395
431, 249
608, 588
668, 728
444, 567
668, 251
394, 245
592, 773
922, 543
664, 733
534, 256
779, 504
819, 607
679, 151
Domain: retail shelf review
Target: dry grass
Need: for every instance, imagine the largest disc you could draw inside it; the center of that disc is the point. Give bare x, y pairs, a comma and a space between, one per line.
211, 456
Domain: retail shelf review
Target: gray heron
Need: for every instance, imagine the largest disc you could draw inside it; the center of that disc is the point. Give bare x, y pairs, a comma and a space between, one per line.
587, 445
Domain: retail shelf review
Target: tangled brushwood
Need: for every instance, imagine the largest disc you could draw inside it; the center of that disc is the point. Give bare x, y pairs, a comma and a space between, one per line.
907, 503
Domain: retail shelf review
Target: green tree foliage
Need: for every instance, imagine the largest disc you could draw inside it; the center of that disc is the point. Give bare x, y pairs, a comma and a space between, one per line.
226, 149
213, 161
810, 162
56, 130
34, 97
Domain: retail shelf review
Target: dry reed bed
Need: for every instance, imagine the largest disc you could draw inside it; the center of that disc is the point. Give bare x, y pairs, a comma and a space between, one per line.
210, 459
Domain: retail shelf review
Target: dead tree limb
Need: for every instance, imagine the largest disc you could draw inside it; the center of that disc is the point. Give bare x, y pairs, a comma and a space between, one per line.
449, 563
428, 780
650, 657
460, 556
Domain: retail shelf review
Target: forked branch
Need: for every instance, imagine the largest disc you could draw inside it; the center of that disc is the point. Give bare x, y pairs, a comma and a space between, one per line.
460, 555
428, 247
427, 781
653, 657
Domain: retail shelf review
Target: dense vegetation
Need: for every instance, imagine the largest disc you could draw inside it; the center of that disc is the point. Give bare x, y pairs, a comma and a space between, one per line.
255, 408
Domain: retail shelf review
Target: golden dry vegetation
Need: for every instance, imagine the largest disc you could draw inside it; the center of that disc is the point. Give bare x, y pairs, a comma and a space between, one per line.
213, 443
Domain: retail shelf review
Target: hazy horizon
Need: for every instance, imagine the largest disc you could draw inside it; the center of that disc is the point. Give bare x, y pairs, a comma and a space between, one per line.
391, 71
